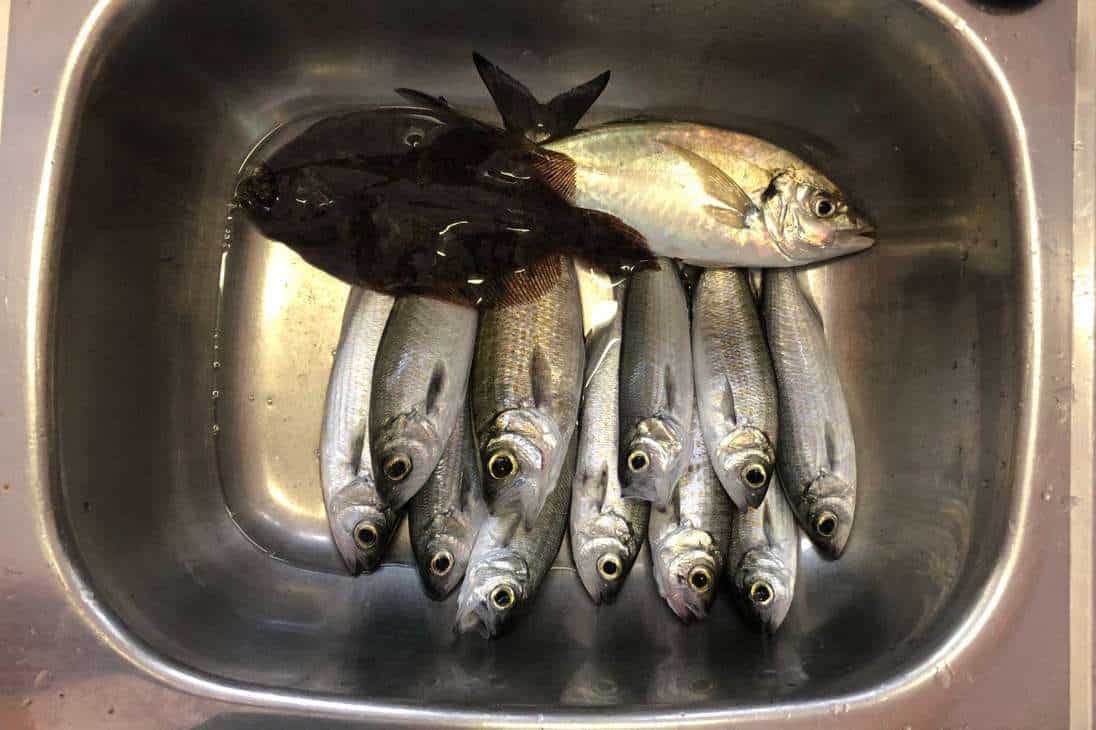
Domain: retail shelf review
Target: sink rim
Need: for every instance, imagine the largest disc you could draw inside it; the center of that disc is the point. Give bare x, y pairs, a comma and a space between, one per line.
61, 552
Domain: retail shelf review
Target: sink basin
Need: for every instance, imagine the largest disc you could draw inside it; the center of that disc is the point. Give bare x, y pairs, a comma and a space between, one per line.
186, 378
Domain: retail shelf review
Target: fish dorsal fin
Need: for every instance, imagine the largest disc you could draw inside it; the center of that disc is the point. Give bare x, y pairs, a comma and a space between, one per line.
540, 375
435, 387
442, 107
568, 108
515, 103
735, 206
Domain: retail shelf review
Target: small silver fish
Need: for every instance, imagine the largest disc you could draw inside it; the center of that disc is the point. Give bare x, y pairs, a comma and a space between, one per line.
816, 454
656, 384
707, 196
689, 537
607, 531
361, 525
526, 388
735, 385
510, 560
444, 517
762, 560
419, 386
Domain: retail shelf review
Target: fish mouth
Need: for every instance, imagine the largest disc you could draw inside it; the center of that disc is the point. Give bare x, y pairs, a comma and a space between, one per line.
856, 239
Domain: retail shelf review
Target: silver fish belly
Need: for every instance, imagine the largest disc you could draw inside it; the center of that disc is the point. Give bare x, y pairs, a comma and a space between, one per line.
762, 560
656, 385
361, 525
445, 516
816, 453
510, 560
689, 537
607, 531
526, 387
419, 386
735, 385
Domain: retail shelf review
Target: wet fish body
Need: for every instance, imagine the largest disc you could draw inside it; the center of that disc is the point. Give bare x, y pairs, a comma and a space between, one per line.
762, 560
419, 384
689, 537
607, 531
707, 196
526, 388
445, 516
361, 525
510, 560
816, 453
735, 386
656, 384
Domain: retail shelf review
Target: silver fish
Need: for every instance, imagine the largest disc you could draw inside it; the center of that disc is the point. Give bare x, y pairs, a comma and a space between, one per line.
361, 525
444, 517
708, 196
510, 560
816, 454
735, 385
688, 538
762, 560
526, 388
607, 531
419, 385
656, 384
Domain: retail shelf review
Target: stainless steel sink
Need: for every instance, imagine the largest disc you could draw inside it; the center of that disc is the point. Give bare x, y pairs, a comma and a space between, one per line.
181, 381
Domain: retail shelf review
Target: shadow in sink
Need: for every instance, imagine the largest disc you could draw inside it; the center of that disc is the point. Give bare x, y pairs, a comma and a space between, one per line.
923, 327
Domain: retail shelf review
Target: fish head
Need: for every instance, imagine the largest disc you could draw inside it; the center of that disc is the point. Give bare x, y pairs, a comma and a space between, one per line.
362, 529
828, 504
810, 219
604, 548
687, 566
745, 456
493, 588
651, 460
405, 452
446, 554
522, 458
765, 586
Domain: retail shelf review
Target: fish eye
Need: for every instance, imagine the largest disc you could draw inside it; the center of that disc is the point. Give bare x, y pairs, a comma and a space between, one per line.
700, 579
396, 467
366, 535
761, 593
638, 461
503, 597
501, 465
441, 563
609, 567
826, 524
755, 476
824, 207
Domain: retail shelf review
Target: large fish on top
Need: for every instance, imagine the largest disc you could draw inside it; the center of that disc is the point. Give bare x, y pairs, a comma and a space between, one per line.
707, 196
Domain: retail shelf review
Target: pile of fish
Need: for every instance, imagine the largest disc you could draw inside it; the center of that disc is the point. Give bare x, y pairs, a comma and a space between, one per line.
478, 388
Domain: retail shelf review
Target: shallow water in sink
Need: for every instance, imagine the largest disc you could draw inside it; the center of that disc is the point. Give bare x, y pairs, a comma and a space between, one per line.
923, 330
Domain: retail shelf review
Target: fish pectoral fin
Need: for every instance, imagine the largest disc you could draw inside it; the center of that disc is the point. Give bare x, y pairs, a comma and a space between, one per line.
435, 387
569, 107
540, 374
728, 407
557, 171
515, 103
726, 216
670, 390
735, 206
831, 447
